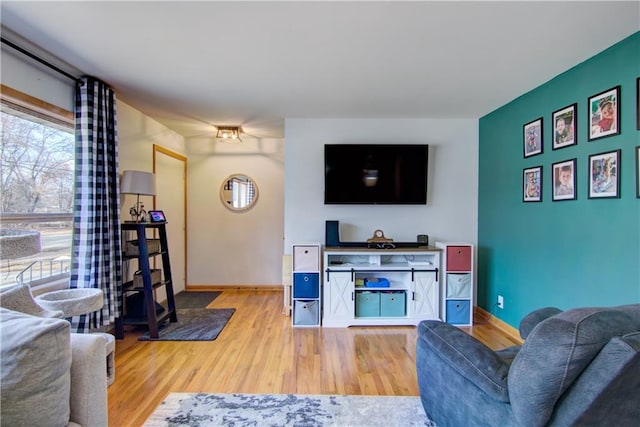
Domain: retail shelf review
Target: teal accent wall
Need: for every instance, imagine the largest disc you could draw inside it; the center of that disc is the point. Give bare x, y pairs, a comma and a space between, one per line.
583, 252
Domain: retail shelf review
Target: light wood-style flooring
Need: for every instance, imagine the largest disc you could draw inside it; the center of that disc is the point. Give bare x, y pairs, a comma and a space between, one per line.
260, 352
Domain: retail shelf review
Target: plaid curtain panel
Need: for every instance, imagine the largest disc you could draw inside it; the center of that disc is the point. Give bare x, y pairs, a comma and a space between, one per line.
96, 246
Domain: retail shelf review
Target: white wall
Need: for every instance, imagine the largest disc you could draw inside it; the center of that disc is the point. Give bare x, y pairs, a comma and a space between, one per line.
451, 210
28, 76
235, 248
136, 135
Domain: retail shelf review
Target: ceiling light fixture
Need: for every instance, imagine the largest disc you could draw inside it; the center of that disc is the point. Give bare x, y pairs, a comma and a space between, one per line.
229, 133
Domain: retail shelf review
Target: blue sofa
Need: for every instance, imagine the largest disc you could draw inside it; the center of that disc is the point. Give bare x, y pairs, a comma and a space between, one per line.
580, 367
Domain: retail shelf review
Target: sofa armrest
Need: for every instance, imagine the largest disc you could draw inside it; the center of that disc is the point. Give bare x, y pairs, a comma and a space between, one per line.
88, 398
467, 356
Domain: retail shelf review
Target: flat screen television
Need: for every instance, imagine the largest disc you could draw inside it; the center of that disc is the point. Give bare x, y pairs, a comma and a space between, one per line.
385, 174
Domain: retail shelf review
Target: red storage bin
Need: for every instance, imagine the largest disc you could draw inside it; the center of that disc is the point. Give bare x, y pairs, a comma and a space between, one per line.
459, 258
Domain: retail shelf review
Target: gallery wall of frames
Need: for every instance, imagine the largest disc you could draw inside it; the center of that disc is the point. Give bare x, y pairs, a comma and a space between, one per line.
559, 190
604, 171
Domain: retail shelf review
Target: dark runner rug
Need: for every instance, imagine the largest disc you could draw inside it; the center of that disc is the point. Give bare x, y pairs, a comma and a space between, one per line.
188, 299
194, 324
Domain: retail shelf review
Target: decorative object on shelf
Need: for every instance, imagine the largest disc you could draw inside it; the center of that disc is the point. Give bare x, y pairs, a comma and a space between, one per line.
532, 184
138, 183
532, 138
378, 237
563, 176
229, 133
565, 127
157, 216
238, 192
604, 175
604, 114
423, 240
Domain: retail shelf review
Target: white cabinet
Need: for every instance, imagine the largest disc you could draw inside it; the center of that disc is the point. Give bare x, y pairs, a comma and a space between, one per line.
457, 278
306, 301
380, 286
425, 295
338, 296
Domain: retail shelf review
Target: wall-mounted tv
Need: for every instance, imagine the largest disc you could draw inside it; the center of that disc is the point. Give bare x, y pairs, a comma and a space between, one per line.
389, 174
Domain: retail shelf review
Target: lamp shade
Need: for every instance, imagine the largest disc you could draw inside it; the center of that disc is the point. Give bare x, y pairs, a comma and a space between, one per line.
138, 182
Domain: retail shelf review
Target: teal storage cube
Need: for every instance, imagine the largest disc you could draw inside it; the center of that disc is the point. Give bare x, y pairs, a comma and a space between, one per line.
458, 312
367, 304
392, 304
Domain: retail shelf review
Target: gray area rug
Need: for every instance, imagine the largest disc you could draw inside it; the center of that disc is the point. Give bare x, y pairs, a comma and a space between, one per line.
202, 409
195, 299
194, 324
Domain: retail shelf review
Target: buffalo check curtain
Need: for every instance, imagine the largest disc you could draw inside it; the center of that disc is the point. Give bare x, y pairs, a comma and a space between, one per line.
96, 246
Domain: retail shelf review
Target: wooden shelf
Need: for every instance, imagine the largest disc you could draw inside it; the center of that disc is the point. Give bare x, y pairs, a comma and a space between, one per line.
147, 288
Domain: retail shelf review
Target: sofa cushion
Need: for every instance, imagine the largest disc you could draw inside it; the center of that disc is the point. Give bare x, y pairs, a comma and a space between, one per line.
556, 352
35, 359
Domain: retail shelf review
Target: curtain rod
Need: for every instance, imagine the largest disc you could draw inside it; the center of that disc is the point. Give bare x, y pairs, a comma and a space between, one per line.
40, 60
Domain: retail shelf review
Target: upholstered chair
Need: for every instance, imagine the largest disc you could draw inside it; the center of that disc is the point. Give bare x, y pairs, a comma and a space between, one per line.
580, 367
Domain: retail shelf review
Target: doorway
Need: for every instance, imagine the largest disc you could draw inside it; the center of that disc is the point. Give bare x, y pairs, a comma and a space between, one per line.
170, 169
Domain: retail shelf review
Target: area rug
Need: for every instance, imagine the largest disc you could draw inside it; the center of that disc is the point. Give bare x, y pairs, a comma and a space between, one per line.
202, 409
194, 324
195, 299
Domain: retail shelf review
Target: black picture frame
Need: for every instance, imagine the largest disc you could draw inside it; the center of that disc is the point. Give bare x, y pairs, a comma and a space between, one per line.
532, 138
604, 175
157, 216
638, 172
638, 103
565, 127
604, 114
563, 179
532, 184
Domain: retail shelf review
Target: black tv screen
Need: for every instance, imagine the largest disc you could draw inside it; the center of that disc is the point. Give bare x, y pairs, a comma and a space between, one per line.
375, 174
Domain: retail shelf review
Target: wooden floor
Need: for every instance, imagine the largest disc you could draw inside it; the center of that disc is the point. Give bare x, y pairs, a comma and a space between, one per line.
259, 352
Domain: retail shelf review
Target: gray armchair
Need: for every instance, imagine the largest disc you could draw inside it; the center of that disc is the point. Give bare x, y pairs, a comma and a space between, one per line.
580, 367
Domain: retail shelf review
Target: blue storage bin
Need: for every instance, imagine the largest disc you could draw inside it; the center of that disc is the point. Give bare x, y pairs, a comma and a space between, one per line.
367, 304
392, 304
458, 312
306, 285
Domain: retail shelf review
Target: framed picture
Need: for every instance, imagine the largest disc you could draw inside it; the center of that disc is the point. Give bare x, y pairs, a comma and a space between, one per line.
563, 176
638, 103
604, 114
565, 126
604, 175
157, 216
532, 138
638, 171
532, 184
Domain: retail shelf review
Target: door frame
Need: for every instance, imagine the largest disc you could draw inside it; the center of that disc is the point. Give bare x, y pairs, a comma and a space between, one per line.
162, 150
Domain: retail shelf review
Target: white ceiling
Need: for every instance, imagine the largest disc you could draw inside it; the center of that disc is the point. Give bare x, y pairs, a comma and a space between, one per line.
191, 65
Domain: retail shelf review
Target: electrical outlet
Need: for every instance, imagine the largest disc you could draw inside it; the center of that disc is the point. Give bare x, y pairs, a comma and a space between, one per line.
500, 301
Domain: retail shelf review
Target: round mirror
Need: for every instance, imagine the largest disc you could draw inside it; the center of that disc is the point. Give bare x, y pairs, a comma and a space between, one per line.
238, 192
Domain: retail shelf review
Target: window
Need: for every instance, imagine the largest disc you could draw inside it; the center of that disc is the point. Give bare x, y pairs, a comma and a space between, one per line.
36, 191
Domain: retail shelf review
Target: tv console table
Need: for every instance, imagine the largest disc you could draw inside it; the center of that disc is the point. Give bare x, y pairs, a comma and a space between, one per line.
368, 287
